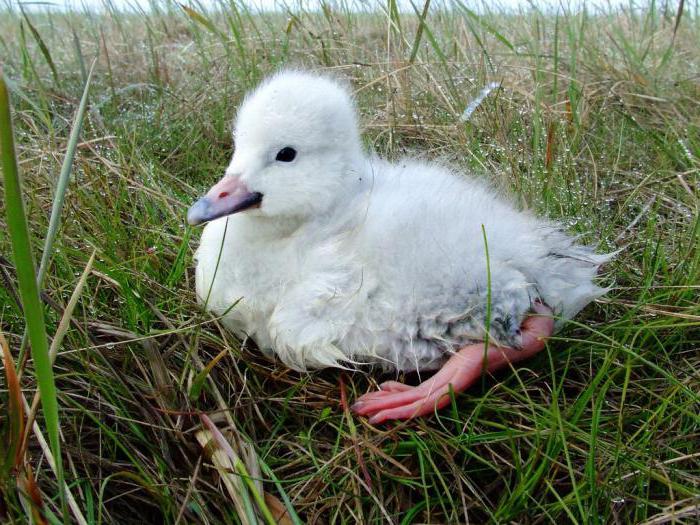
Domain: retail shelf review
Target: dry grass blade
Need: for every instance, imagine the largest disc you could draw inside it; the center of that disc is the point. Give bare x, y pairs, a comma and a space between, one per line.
46, 449
203, 20
58, 339
239, 467
674, 514
13, 451
278, 510
28, 485
225, 467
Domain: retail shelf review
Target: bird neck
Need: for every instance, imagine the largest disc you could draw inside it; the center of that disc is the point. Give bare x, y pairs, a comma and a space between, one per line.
266, 229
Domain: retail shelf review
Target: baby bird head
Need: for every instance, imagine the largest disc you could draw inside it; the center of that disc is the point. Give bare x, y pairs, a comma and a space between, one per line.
297, 148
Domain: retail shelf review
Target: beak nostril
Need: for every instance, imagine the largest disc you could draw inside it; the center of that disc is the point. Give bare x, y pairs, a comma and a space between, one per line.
223, 194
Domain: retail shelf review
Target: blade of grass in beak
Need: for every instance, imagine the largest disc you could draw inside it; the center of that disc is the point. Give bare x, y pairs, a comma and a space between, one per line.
24, 264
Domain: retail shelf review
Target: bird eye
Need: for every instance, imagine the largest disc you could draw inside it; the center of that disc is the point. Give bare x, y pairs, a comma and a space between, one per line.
286, 154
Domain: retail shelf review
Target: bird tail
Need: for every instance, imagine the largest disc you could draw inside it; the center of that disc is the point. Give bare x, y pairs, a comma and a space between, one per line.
567, 282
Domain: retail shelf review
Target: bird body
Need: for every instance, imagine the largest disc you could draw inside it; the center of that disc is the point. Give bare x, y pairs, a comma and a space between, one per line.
344, 258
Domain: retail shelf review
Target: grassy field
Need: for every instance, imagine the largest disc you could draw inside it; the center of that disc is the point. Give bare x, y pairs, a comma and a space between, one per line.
596, 124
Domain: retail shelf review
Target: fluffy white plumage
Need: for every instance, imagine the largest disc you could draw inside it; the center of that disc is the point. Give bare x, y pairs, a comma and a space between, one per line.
351, 259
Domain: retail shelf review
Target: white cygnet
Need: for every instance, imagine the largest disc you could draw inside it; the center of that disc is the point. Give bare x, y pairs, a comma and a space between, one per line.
326, 255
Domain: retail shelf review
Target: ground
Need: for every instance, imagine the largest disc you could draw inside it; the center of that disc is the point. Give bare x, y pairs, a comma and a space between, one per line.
596, 123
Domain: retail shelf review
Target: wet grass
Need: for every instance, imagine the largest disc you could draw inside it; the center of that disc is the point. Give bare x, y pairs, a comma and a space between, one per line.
166, 418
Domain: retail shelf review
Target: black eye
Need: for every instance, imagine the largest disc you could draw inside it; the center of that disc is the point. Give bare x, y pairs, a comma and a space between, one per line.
286, 154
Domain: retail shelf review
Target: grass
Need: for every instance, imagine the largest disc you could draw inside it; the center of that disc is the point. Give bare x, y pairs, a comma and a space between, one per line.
32, 309
166, 418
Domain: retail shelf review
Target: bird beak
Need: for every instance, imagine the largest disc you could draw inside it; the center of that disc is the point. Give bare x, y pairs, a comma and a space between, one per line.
229, 195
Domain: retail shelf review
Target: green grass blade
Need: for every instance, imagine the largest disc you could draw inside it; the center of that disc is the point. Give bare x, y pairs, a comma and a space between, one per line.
487, 327
79, 56
63, 179
488, 27
293, 516
42, 47
24, 264
40, 112
419, 31
679, 15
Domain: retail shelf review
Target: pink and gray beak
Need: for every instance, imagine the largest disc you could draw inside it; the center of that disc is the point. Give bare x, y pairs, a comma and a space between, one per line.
229, 195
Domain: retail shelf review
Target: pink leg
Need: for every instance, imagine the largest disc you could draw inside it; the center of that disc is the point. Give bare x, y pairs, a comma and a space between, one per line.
399, 401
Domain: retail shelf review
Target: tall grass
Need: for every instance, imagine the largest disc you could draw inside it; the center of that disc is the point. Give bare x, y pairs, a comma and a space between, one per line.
26, 277
596, 123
